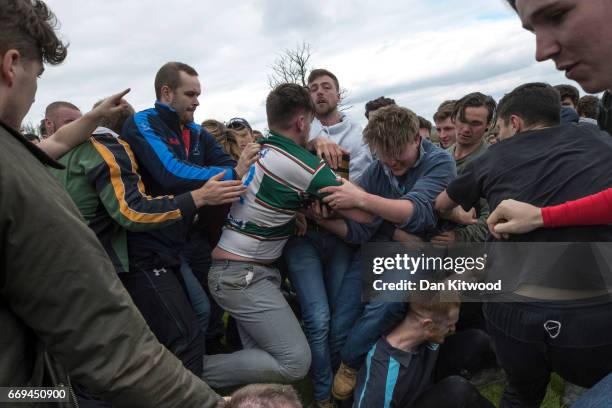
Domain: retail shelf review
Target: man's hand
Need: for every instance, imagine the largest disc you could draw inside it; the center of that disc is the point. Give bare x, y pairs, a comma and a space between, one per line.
328, 150
217, 192
110, 106
514, 217
301, 226
345, 196
459, 216
249, 155
445, 238
319, 211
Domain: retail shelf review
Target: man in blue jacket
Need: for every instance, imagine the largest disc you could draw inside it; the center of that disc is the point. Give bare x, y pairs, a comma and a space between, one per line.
175, 156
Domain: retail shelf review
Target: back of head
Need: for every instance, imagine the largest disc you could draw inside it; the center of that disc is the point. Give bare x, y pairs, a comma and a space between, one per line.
54, 106
445, 110
390, 129
28, 26
214, 127
115, 122
264, 396
535, 103
377, 103
424, 124
286, 101
588, 107
169, 75
568, 91
319, 72
435, 303
474, 100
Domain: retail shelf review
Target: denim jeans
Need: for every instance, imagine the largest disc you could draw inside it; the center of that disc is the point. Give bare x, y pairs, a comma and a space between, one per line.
597, 397
197, 296
317, 264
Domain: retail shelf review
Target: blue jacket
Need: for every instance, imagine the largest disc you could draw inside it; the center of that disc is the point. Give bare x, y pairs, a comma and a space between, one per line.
168, 168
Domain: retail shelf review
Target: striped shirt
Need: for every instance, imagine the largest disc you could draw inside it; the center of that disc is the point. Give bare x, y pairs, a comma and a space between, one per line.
285, 178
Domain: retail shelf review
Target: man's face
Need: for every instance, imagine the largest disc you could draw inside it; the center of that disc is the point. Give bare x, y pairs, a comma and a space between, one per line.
324, 95
576, 35
23, 90
61, 117
567, 101
472, 130
443, 327
447, 132
401, 163
184, 99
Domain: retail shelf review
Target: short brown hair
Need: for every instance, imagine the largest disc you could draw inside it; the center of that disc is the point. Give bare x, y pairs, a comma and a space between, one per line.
53, 106
568, 91
424, 124
115, 122
474, 100
28, 26
390, 128
445, 110
286, 101
588, 106
169, 75
377, 103
319, 72
263, 396
439, 302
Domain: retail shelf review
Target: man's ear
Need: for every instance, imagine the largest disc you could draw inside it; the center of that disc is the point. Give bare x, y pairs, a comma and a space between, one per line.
166, 93
10, 60
517, 123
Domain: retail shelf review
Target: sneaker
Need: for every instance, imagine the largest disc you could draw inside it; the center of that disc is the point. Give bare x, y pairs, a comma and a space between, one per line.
571, 393
344, 382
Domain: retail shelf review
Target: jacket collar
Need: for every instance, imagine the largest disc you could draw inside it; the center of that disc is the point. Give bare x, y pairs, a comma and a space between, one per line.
35, 150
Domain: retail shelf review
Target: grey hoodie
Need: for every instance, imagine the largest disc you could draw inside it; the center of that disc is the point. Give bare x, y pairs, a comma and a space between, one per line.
348, 135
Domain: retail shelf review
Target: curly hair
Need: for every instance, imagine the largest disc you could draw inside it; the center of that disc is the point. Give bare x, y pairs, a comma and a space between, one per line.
28, 26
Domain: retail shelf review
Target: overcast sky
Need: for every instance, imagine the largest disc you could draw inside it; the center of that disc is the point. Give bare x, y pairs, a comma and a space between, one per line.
419, 52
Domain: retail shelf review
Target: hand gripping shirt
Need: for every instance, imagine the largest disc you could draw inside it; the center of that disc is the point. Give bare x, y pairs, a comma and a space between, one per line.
285, 178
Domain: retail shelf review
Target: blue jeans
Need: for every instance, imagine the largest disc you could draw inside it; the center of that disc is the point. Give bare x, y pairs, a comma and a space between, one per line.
318, 265
598, 396
377, 319
197, 296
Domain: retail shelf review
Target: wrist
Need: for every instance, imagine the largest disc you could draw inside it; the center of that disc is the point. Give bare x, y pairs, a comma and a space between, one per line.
198, 199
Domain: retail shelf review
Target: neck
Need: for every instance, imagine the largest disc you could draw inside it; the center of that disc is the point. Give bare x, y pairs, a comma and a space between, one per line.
7, 115
331, 118
408, 335
289, 134
461, 150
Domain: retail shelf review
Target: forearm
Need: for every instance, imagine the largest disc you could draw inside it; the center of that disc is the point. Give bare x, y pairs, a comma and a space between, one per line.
69, 136
595, 209
358, 215
336, 226
444, 204
395, 211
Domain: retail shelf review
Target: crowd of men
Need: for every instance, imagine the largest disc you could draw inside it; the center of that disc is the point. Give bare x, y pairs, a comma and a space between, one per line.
149, 260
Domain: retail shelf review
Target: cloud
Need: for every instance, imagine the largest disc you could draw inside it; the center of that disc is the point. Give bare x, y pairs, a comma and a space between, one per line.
418, 52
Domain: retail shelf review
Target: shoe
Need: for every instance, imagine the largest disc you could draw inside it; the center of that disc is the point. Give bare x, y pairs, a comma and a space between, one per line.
323, 404
344, 382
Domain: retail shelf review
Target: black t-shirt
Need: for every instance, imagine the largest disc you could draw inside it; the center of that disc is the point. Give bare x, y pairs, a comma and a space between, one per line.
545, 167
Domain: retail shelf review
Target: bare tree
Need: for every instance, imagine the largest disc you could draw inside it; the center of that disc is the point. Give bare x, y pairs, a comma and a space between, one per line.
293, 66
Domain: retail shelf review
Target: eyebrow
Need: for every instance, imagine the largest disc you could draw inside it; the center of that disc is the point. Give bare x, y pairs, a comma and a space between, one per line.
538, 13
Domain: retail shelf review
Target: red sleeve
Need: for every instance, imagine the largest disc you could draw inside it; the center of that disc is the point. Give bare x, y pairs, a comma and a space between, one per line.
595, 209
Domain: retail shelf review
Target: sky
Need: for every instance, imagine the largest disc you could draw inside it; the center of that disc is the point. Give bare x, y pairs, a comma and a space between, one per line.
418, 52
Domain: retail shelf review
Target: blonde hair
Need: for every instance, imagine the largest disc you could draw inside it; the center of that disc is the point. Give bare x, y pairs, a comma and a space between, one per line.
390, 129
227, 138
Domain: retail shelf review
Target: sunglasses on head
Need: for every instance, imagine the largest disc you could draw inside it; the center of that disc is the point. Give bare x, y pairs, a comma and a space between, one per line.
238, 123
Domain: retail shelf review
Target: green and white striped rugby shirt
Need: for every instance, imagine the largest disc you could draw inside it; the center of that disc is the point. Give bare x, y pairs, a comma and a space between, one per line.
284, 178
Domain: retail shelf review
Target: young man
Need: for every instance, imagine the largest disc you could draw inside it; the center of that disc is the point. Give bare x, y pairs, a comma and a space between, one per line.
472, 117
398, 190
317, 262
569, 95
64, 310
58, 114
567, 336
284, 180
443, 118
401, 368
